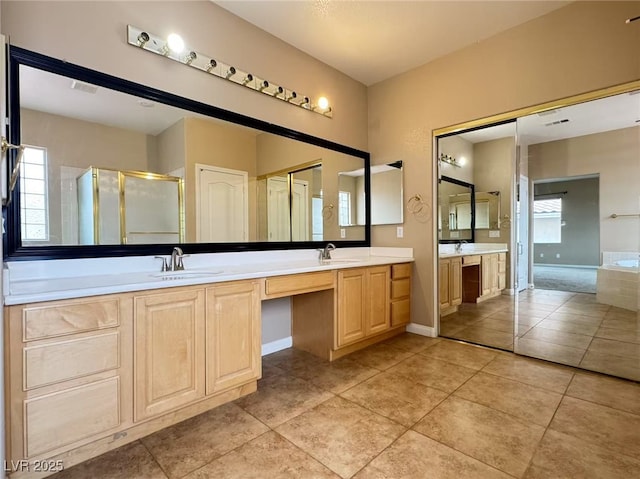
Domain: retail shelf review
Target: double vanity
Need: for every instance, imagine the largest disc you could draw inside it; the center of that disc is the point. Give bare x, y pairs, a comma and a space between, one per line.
95, 361
471, 273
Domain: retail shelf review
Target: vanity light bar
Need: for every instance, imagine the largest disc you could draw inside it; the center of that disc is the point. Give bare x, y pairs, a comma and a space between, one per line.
174, 49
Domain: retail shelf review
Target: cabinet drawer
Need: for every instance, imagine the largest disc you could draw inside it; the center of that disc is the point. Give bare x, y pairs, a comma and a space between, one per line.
298, 283
472, 259
401, 270
69, 359
400, 288
502, 256
400, 312
41, 322
62, 418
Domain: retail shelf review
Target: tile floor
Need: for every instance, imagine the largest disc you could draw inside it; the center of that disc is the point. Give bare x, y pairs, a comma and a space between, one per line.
411, 407
558, 326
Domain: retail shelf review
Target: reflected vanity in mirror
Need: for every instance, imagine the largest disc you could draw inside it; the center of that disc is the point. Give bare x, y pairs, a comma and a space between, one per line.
202, 175
386, 195
456, 208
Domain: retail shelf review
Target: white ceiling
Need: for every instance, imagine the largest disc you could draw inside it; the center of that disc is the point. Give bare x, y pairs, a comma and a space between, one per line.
371, 41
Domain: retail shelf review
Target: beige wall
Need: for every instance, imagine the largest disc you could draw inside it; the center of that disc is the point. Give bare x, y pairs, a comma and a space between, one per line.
93, 34
615, 156
582, 47
171, 149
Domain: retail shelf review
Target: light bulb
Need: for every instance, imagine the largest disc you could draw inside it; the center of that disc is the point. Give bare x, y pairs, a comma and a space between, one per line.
462, 161
175, 43
323, 103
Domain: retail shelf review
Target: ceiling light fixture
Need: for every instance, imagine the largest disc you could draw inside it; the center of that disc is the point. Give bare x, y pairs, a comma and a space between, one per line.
174, 45
449, 160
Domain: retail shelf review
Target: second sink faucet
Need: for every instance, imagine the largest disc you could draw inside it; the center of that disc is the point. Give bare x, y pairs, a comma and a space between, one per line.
459, 246
325, 253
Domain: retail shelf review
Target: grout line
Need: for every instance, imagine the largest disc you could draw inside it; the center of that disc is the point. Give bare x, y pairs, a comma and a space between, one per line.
154, 457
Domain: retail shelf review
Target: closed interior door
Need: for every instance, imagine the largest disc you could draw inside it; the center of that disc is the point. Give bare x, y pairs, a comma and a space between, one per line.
278, 209
221, 205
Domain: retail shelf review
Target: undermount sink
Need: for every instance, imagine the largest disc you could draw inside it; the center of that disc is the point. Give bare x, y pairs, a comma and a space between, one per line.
340, 260
184, 274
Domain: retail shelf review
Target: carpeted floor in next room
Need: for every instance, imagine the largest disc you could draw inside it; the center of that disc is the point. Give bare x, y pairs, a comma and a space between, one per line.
565, 278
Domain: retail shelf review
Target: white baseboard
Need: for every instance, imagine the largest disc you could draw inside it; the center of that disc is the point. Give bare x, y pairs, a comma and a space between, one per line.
277, 345
422, 330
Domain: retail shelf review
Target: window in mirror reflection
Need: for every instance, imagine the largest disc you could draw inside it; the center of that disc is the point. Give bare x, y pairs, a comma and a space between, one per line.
33, 189
386, 195
547, 221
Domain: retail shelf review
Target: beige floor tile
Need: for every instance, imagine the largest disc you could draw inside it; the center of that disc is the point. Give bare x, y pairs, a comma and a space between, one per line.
549, 351
626, 324
616, 348
486, 337
414, 456
612, 392
583, 298
291, 360
530, 371
132, 461
569, 327
466, 355
432, 372
562, 456
574, 318
380, 356
499, 324
337, 376
609, 428
449, 330
280, 398
395, 397
191, 444
267, 456
490, 436
624, 335
412, 343
536, 307
586, 310
614, 311
341, 435
622, 366
540, 333
528, 403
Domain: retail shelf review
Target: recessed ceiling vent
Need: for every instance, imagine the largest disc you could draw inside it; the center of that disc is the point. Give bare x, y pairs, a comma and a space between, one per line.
557, 122
85, 87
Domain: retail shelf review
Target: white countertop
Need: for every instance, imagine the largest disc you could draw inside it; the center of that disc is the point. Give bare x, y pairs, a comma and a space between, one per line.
448, 250
35, 281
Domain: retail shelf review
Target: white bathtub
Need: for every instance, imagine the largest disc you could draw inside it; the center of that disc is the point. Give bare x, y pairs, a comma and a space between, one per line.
617, 280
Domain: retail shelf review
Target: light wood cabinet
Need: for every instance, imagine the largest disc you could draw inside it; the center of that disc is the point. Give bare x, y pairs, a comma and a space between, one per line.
363, 303
68, 374
493, 274
400, 294
450, 287
233, 335
169, 350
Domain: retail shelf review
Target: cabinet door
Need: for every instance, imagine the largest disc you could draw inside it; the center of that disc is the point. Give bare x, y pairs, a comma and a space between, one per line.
455, 281
485, 283
378, 318
495, 286
233, 335
169, 351
445, 274
351, 305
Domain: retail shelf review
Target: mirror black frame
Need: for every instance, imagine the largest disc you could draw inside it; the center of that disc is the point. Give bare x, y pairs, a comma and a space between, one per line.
13, 249
472, 187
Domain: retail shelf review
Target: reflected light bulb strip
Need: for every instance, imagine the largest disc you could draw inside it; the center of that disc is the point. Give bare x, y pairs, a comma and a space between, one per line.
174, 48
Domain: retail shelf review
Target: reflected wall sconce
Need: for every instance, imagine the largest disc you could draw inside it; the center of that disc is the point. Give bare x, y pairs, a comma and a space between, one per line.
449, 160
173, 47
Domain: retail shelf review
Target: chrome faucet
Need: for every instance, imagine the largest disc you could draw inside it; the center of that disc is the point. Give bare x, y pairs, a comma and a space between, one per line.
459, 246
176, 259
175, 263
325, 253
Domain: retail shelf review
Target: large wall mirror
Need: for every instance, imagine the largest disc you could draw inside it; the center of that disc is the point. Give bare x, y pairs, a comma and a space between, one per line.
112, 167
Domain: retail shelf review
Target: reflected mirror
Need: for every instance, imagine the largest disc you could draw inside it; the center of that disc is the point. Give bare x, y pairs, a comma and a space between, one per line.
386, 196
456, 210
103, 167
